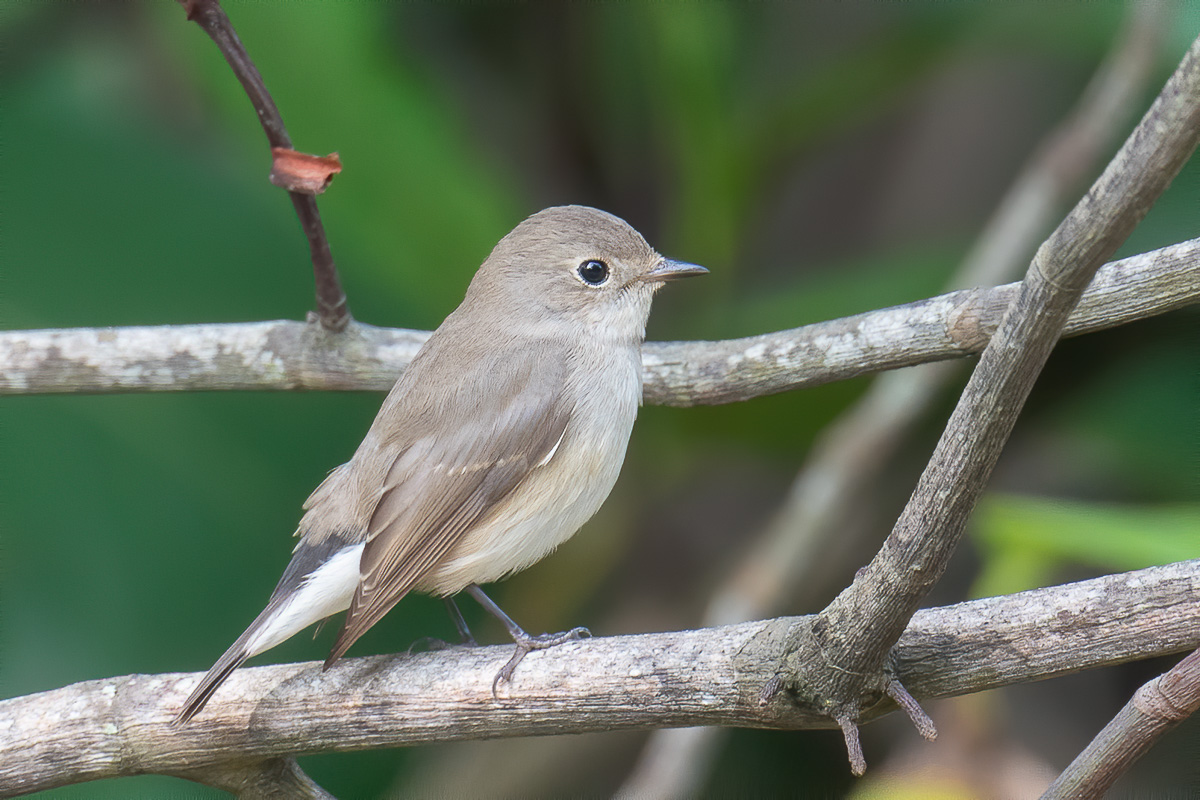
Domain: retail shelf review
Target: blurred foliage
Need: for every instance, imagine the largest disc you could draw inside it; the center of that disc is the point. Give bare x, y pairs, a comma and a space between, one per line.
1026, 539
822, 160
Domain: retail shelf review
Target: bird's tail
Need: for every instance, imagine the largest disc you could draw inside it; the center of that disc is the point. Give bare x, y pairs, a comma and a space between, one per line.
310, 590
233, 658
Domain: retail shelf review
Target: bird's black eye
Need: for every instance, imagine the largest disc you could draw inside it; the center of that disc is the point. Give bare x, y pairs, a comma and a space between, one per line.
593, 272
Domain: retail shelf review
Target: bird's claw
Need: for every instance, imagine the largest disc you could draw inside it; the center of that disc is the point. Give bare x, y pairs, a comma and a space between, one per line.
526, 644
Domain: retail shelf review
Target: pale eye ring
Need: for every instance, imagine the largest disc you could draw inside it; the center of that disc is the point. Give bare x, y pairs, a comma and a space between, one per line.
593, 272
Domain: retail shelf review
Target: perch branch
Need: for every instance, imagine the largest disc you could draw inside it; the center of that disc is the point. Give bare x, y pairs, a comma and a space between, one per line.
853, 451
853, 635
286, 355
123, 726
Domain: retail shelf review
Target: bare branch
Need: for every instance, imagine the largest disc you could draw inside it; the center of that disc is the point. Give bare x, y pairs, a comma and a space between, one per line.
332, 310
1156, 707
286, 355
123, 726
937, 329
281, 355
852, 452
857, 445
853, 634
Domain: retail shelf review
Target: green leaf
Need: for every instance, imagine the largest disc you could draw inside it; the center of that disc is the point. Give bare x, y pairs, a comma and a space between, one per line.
1026, 539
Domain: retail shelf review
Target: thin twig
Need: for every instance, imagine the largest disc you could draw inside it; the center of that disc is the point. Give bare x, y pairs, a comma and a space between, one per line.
852, 452
854, 751
332, 309
856, 630
292, 355
1156, 707
909, 705
713, 676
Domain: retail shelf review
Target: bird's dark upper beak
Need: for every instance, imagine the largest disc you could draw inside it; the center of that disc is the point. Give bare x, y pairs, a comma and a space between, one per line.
668, 270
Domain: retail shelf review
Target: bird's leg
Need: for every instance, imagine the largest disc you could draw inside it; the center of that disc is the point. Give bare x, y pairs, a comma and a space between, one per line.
525, 642
460, 624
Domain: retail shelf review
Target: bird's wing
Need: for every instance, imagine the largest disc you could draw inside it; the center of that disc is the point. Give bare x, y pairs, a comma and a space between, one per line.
442, 484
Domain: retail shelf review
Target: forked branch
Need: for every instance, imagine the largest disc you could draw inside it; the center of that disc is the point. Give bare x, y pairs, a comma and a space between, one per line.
286, 355
712, 676
854, 634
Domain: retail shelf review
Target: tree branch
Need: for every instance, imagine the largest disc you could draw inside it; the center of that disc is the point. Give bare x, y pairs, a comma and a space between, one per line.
852, 452
854, 634
1156, 707
123, 726
332, 309
287, 355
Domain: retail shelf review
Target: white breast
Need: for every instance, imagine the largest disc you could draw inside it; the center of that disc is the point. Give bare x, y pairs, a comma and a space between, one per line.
562, 493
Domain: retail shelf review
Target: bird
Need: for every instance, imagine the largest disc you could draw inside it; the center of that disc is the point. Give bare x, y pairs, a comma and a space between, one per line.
501, 438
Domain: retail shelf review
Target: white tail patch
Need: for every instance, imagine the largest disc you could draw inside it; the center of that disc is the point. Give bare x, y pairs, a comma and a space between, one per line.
325, 591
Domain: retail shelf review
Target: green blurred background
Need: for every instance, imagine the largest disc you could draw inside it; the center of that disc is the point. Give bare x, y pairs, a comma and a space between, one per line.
821, 160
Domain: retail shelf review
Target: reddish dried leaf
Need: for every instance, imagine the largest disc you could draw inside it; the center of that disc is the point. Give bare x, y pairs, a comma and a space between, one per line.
301, 172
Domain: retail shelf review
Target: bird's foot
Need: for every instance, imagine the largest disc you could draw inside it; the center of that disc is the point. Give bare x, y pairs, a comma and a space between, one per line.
527, 643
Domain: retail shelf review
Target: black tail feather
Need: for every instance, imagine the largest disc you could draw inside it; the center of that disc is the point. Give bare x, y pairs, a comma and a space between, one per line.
234, 657
230, 660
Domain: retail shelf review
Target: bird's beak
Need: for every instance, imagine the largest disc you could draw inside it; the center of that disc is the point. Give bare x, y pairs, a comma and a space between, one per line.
668, 270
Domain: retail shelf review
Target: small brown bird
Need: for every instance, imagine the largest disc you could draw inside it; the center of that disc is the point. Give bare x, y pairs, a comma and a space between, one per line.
504, 435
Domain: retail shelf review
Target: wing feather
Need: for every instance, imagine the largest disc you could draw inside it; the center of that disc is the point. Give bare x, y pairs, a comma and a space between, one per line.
444, 484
